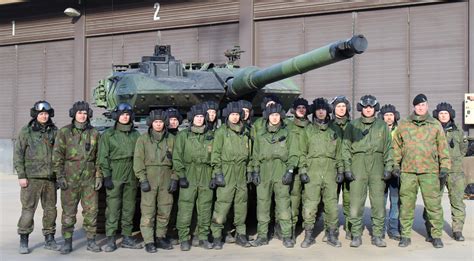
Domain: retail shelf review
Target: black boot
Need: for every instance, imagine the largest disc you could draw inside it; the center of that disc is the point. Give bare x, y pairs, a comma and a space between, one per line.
437, 243
50, 243
24, 244
129, 242
288, 243
308, 238
404, 242
260, 241
218, 244
378, 241
205, 244
67, 247
332, 238
356, 241
92, 245
111, 245
150, 248
458, 236
185, 246
241, 240
163, 243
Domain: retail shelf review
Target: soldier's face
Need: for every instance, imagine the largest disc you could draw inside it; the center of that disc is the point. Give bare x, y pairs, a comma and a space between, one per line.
174, 123
368, 111
212, 115
81, 116
158, 125
234, 118
246, 113
300, 111
421, 108
42, 117
198, 120
389, 118
443, 116
274, 118
340, 110
321, 114
124, 118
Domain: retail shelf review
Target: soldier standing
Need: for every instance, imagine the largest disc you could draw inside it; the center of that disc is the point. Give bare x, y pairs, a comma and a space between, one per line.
422, 157
33, 163
321, 160
367, 154
192, 164
230, 155
152, 163
391, 116
455, 181
74, 163
116, 149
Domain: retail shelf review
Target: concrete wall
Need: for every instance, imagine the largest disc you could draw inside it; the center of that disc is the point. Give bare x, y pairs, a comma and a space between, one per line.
6, 157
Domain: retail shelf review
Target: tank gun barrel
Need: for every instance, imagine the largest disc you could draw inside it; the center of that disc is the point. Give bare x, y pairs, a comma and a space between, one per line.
252, 78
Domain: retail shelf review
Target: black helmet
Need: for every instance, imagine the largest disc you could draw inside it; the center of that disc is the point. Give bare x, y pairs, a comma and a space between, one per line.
41, 106
247, 105
173, 113
321, 103
341, 99
368, 100
80, 106
122, 108
444, 106
233, 107
197, 109
156, 115
267, 99
274, 108
389, 108
303, 102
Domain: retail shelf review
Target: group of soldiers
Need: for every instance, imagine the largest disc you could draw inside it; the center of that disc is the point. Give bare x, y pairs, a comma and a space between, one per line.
212, 167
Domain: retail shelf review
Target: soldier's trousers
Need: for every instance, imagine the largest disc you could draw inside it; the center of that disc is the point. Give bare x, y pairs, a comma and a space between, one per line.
226, 197
120, 204
295, 199
456, 185
156, 204
38, 189
392, 220
85, 193
429, 186
188, 197
282, 207
344, 189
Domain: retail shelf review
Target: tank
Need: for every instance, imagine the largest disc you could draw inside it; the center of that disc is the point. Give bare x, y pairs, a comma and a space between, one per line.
161, 81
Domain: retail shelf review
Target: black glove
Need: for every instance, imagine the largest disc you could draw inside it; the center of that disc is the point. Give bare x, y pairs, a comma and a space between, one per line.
256, 178
304, 178
387, 175
396, 173
219, 180
183, 182
61, 183
287, 177
443, 176
339, 177
249, 177
349, 176
173, 186
145, 186
108, 184
212, 184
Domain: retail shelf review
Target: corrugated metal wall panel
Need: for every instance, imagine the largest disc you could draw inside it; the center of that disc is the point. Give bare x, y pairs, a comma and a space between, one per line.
383, 69
214, 40
335, 79
121, 18
31, 69
8, 71
279, 40
59, 79
184, 43
438, 56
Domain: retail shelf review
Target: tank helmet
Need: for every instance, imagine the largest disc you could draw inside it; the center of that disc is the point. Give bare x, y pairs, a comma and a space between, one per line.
122, 108
341, 99
267, 99
212, 105
247, 105
197, 109
444, 106
233, 107
156, 115
368, 100
173, 113
321, 103
41, 106
274, 108
303, 102
80, 106
389, 108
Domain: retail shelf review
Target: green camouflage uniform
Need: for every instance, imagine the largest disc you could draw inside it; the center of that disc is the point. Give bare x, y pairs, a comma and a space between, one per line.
32, 161
116, 150
367, 156
74, 158
420, 152
320, 159
230, 155
152, 162
192, 159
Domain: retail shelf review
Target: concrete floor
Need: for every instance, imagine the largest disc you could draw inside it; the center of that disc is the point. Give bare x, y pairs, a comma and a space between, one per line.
419, 250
